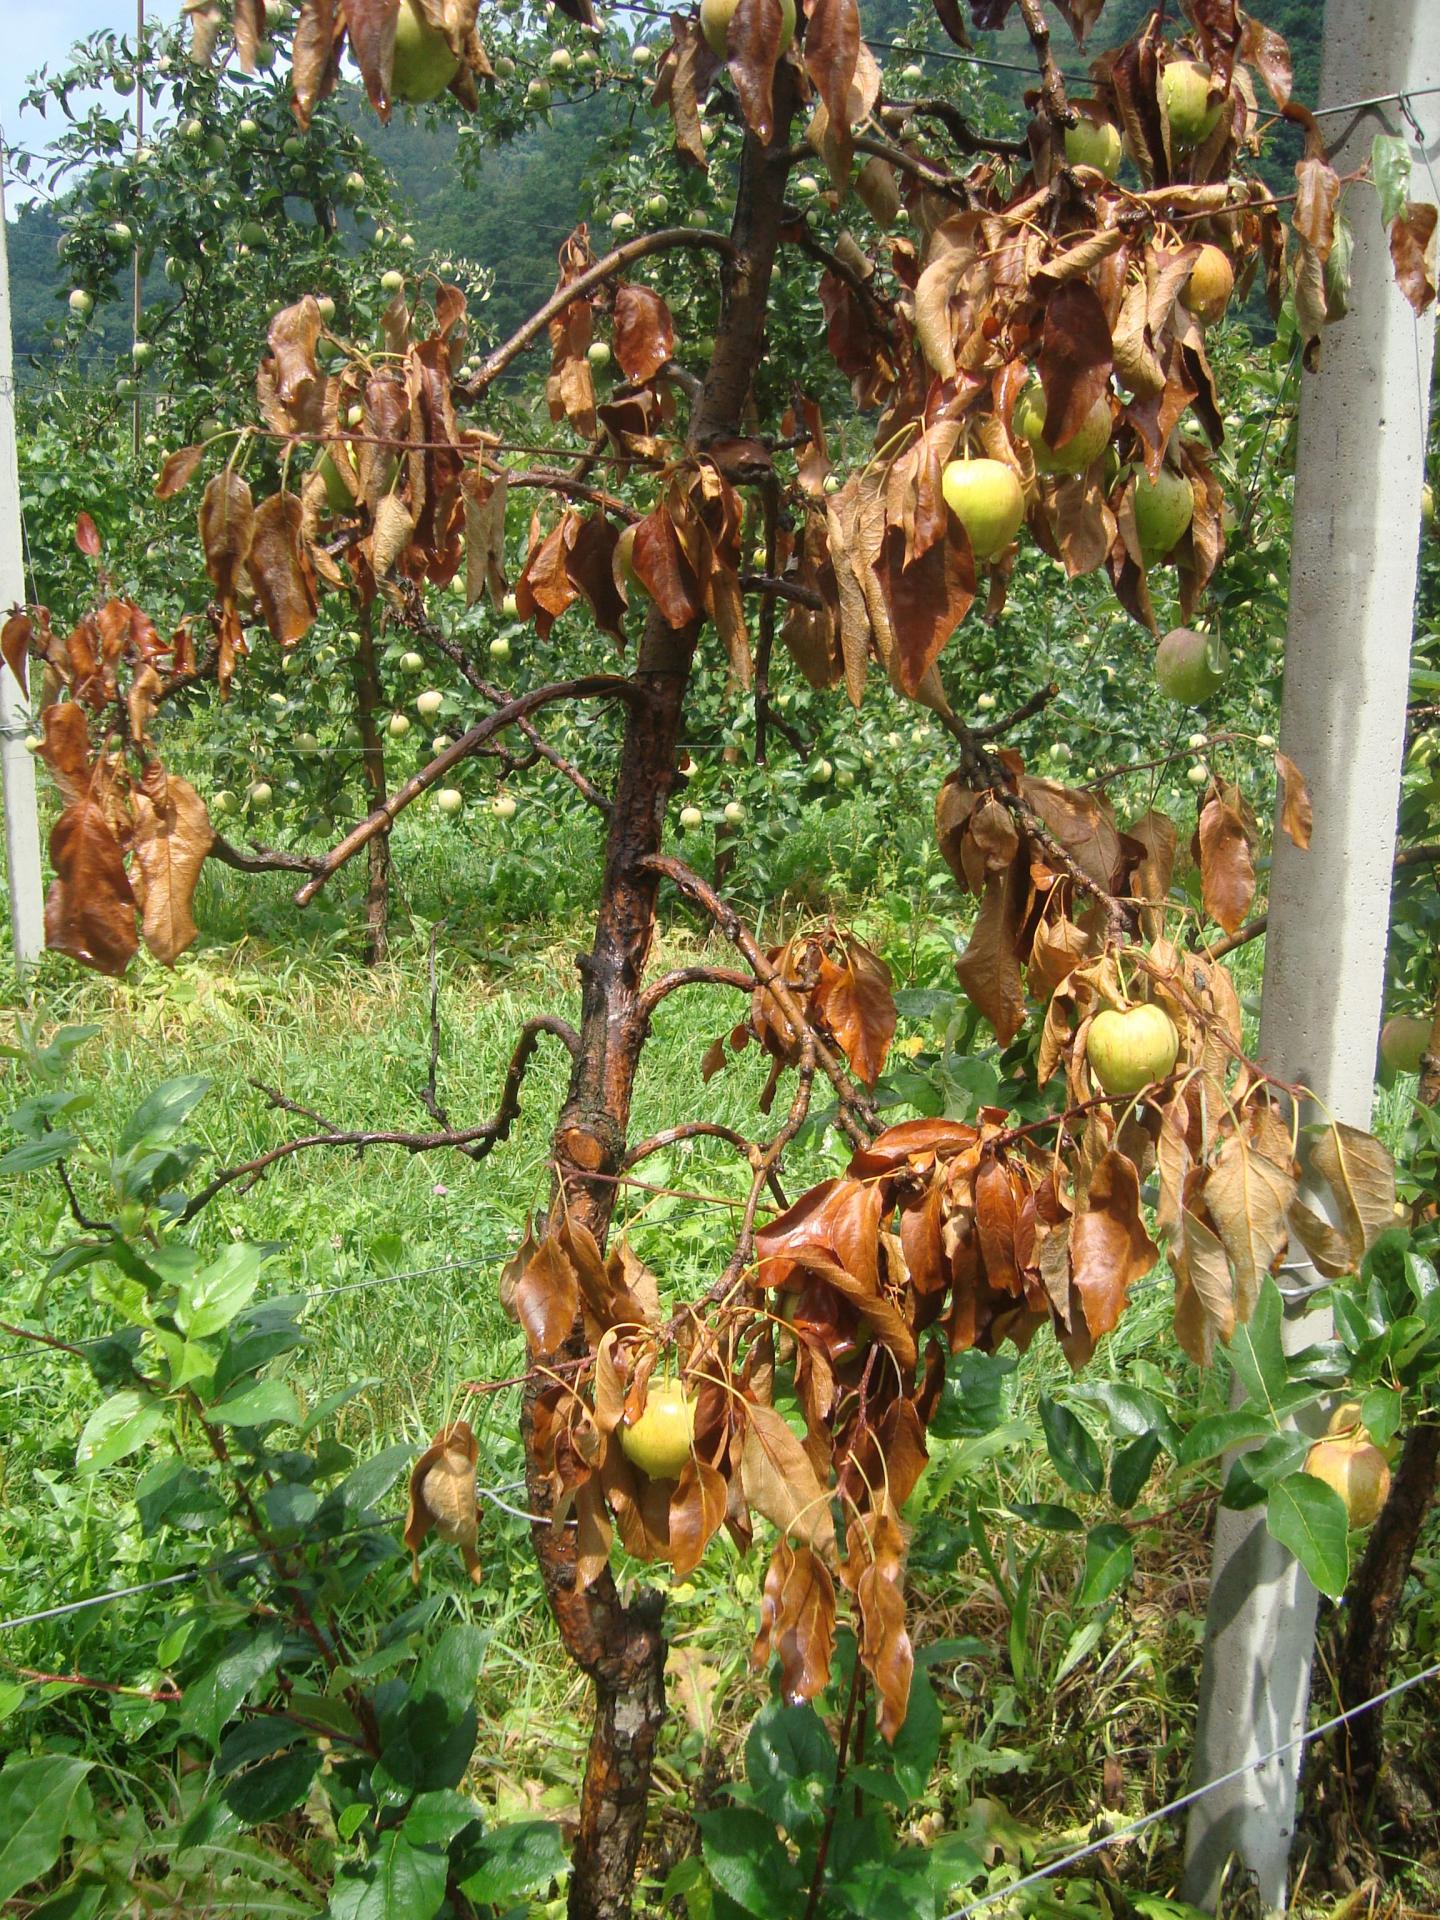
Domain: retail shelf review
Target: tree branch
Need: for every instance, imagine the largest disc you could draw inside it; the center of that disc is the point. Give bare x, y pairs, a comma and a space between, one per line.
692, 977
598, 686
1038, 701
666, 239
894, 113
1053, 101
857, 1110
263, 859
475, 1142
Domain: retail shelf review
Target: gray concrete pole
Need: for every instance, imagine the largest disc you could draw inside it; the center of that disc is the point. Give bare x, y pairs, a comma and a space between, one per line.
17, 769
1347, 657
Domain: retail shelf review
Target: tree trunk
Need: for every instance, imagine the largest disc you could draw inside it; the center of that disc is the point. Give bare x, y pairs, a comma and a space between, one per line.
1373, 1601
621, 1647
369, 699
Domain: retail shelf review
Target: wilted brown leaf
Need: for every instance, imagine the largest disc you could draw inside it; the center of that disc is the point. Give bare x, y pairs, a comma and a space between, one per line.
280, 568
1248, 1196
547, 1297
1412, 252
227, 526
1297, 816
697, 1509
1109, 1247
797, 1621
442, 1496
90, 909
172, 835
779, 1480
644, 333
856, 1003
178, 471
1227, 871
1361, 1175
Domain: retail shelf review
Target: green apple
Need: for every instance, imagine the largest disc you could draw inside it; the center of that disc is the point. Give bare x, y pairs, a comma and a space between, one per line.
986, 498
1060, 752
306, 743
425, 63
734, 812
292, 146
33, 743
821, 772
1083, 446
660, 1441
412, 663
1190, 666
353, 185
1403, 1039
561, 60
716, 15
1185, 89
1129, 1050
264, 55
504, 66
279, 702
805, 186
398, 726
912, 74
224, 802
500, 647
450, 800
326, 308
260, 795
392, 280
1094, 143
429, 703
247, 128
503, 806
142, 353
1198, 775
537, 94
1164, 508
598, 353
657, 206
215, 149
120, 237
986, 703
338, 496
510, 607
690, 818
82, 304
1265, 742
622, 222
622, 564
641, 54
440, 742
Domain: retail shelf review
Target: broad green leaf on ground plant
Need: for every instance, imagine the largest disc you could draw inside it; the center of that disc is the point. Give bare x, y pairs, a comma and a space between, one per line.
42, 1799
1310, 1519
116, 1428
400, 1882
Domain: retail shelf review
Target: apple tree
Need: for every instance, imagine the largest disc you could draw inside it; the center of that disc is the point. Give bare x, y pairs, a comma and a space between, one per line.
1017, 332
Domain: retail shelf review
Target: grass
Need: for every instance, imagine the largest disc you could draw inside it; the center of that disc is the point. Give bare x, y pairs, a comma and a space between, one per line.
1048, 1698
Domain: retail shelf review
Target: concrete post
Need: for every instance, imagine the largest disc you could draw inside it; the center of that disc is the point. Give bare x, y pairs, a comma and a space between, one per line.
1352, 590
17, 769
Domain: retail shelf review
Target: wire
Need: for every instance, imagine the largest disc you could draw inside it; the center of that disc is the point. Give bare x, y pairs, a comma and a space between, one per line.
1187, 1799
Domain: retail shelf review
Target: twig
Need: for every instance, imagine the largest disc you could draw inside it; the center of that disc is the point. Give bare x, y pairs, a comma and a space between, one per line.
430, 1095
598, 686
857, 1110
426, 629
954, 123
663, 241
1038, 701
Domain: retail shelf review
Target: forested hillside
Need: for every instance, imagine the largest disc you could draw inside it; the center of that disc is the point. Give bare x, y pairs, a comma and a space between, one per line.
509, 207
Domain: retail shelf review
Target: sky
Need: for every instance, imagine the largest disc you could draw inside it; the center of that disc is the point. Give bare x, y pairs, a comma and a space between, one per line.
41, 33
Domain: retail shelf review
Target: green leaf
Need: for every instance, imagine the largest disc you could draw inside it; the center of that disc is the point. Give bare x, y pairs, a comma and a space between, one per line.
789, 1764
161, 1112
917, 1744
1390, 168
116, 1428
1131, 1468
1260, 1467
1310, 1519
520, 1859
358, 1492
1047, 1514
41, 1801
1219, 1432
31, 1155
398, 1882
209, 1300
1075, 1456
747, 1861
274, 1787
1257, 1353
1133, 1411
211, 1700
434, 1819
1109, 1562
257, 1406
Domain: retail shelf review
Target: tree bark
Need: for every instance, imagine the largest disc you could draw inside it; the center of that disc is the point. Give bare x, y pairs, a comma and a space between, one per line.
621, 1647
369, 698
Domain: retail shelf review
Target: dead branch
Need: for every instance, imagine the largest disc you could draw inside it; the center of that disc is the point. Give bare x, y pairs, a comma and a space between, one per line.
894, 113
605, 268
857, 1109
426, 629
997, 729
475, 1142
598, 686
263, 859
692, 977
1053, 101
